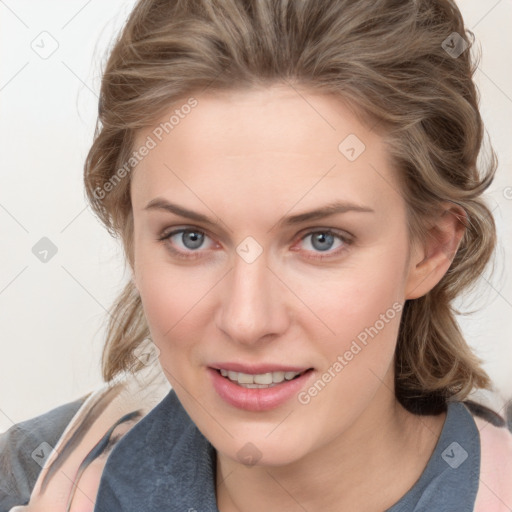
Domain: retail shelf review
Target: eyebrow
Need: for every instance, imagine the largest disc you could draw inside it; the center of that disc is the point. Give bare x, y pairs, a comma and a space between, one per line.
336, 207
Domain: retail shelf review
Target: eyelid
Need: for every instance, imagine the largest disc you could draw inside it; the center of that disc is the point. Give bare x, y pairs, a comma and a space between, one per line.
346, 238
167, 233
344, 235
189, 255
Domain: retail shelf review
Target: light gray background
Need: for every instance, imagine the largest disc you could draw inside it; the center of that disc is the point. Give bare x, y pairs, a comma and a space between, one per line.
53, 314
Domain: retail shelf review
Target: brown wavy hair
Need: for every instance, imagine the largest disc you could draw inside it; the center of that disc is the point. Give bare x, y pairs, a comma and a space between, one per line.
390, 60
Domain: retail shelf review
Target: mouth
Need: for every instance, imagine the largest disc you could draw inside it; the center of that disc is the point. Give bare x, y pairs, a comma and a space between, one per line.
260, 380
258, 388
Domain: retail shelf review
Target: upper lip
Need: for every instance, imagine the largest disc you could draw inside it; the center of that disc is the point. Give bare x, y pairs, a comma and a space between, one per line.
258, 368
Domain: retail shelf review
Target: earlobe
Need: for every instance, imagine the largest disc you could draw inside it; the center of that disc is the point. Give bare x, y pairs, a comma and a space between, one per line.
431, 262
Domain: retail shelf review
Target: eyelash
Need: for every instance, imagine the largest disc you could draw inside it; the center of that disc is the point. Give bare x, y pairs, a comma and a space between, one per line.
192, 255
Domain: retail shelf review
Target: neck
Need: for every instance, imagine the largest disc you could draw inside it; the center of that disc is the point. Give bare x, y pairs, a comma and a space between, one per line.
368, 467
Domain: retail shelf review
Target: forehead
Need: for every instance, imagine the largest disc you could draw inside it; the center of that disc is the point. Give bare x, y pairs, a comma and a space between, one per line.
274, 140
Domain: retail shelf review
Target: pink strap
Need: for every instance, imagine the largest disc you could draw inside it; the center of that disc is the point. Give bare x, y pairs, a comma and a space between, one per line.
495, 487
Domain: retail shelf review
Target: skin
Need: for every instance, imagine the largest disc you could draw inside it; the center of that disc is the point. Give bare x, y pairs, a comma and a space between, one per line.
246, 159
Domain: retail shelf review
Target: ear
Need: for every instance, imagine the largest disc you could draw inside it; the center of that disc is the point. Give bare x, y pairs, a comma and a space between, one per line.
431, 258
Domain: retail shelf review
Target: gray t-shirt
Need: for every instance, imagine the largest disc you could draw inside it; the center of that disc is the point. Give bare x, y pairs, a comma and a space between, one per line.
165, 463
18, 469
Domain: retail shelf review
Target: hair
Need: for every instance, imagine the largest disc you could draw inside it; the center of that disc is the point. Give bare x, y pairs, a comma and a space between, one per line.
389, 61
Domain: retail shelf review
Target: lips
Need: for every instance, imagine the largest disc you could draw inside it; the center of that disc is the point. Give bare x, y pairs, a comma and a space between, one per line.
257, 397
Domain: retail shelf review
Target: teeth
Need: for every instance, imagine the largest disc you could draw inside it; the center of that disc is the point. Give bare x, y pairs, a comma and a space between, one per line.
277, 377
261, 380
245, 378
264, 378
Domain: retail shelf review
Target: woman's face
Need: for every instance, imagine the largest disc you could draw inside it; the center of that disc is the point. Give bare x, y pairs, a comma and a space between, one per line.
249, 280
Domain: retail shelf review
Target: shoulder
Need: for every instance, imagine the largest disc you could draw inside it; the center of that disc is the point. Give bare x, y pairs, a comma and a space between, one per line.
18, 469
164, 456
495, 488
485, 413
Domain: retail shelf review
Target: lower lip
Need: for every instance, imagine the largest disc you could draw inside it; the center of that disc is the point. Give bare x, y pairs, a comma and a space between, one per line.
257, 399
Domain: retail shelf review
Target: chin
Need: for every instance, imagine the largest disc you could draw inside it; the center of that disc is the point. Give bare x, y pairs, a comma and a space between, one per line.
257, 450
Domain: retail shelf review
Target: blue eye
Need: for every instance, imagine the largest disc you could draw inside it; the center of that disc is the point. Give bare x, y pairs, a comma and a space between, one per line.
324, 241
191, 239
187, 240
189, 243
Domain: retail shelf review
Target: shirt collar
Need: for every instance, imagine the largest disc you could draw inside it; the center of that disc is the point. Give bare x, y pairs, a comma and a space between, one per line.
165, 463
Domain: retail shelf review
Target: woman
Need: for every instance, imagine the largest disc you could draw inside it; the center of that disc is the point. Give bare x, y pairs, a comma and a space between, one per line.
296, 187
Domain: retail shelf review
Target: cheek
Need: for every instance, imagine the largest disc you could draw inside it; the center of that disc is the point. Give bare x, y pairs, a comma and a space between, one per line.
363, 309
175, 301
361, 306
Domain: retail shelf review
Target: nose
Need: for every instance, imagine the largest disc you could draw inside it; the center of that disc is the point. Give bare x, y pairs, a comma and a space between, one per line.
252, 306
